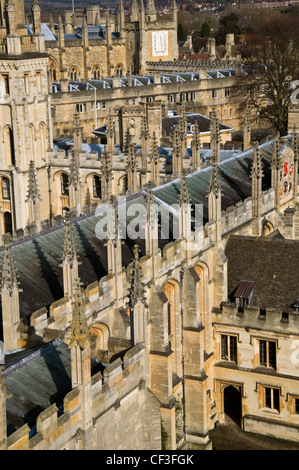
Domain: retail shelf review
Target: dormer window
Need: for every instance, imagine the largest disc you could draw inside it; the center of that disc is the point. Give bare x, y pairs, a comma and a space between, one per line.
243, 294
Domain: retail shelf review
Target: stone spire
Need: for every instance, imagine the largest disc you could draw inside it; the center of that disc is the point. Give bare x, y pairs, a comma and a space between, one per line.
184, 192
79, 345
70, 261
214, 203
257, 166
276, 167
33, 197
247, 129
60, 31
256, 192
145, 139
10, 290
74, 177
137, 302
215, 136
294, 146
136, 291
155, 169
79, 336
151, 13
177, 156
152, 230
114, 252
135, 11
33, 191
214, 186
110, 134
185, 209
183, 128
121, 16
195, 145
151, 239
36, 11
131, 167
106, 174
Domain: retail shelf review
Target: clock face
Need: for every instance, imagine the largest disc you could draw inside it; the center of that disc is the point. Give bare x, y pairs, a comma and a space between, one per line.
159, 43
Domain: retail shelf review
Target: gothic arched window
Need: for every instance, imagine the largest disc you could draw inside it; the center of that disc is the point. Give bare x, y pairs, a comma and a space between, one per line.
96, 186
5, 188
64, 184
97, 72
74, 73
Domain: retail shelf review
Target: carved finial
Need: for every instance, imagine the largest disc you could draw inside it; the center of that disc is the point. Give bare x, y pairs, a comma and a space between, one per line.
184, 192
136, 291
79, 328
295, 143
214, 187
69, 248
276, 159
196, 137
33, 192
9, 279
257, 166
155, 152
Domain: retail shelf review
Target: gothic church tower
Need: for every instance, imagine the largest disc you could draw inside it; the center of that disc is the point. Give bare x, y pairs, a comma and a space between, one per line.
24, 113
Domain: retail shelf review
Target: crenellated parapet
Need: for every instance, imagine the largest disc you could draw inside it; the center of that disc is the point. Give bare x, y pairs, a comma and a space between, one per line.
122, 384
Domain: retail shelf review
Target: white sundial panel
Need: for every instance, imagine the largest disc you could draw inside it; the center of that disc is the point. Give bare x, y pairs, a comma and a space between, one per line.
160, 43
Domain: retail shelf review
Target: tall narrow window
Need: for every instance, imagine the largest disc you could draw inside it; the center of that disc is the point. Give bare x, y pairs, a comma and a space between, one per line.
38, 82
64, 181
268, 353
26, 83
97, 190
7, 222
5, 189
272, 398
6, 84
229, 348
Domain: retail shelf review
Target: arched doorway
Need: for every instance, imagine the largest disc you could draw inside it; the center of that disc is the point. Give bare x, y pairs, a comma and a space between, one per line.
233, 403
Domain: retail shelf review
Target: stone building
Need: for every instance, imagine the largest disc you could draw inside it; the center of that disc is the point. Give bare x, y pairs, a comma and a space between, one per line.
162, 325
160, 334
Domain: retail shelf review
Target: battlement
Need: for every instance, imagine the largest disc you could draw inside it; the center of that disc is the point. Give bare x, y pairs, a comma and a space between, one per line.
257, 318
56, 427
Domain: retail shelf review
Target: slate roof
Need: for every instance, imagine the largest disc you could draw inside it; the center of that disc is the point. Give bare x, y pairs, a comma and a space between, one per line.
41, 378
272, 263
203, 122
38, 257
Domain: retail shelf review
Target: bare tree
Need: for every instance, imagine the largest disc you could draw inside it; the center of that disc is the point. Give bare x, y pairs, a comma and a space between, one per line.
274, 54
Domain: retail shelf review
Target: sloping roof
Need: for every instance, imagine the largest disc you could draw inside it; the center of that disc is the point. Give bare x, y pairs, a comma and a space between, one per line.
35, 382
203, 122
46, 31
38, 257
271, 263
